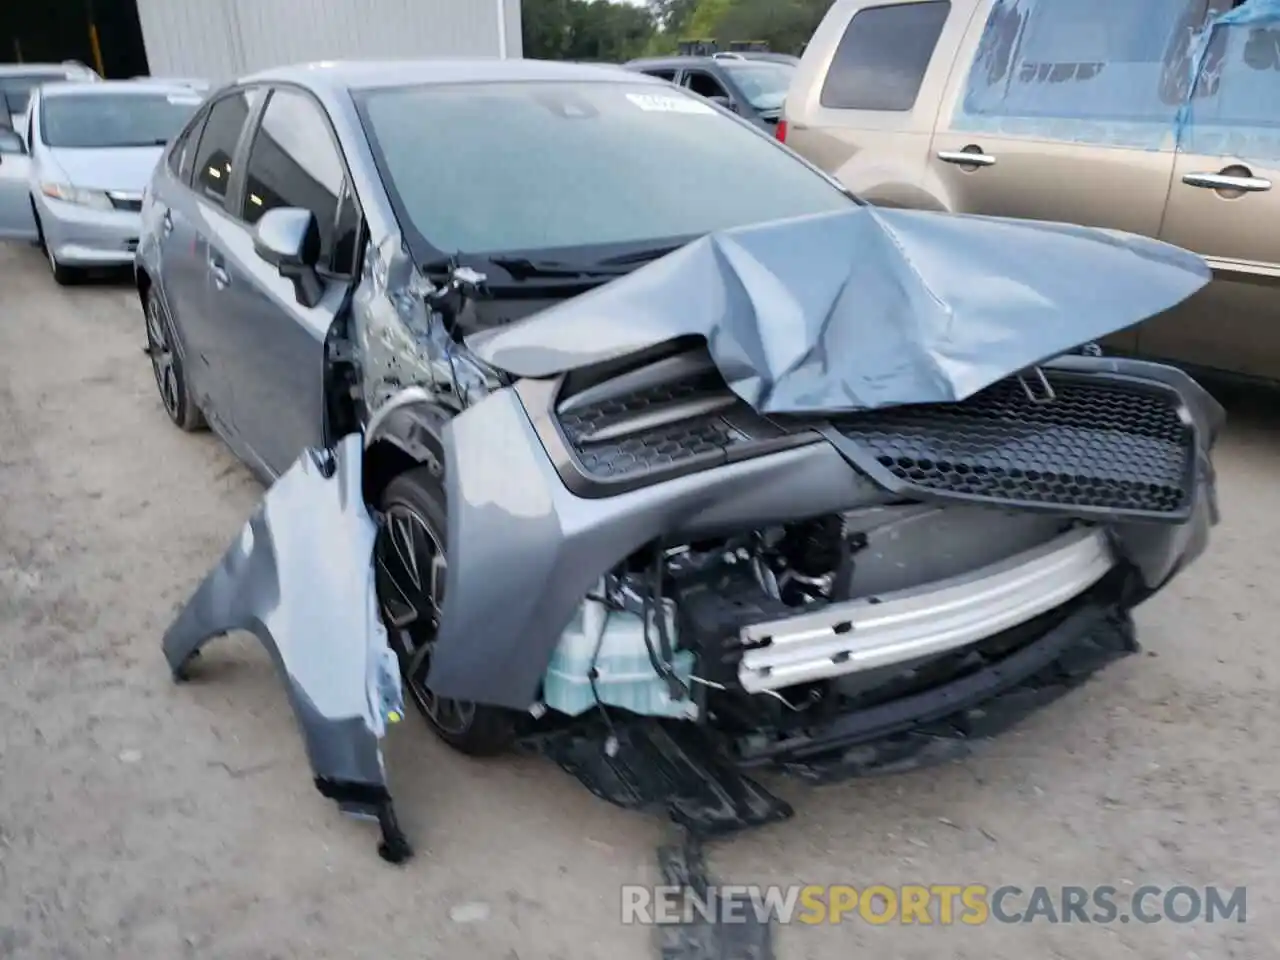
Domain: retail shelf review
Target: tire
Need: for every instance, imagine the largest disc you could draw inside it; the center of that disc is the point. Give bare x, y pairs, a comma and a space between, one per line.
63, 276
417, 496
166, 364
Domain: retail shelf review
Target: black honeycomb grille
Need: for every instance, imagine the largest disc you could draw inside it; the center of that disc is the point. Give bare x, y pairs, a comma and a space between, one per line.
1096, 445
652, 449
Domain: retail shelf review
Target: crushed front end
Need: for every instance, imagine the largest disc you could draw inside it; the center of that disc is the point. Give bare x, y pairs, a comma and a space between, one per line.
836, 595
804, 495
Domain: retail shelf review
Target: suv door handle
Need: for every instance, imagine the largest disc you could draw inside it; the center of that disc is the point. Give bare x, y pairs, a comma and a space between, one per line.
967, 158
1225, 181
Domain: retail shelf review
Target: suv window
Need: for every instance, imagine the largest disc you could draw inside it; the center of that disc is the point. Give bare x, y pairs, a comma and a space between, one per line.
1089, 60
294, 163
1235, 110
222, 129
704, 84
883, 55
668, 75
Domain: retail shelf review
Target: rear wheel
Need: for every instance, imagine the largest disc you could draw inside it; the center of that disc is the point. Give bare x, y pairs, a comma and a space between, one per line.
411, 561
166, 364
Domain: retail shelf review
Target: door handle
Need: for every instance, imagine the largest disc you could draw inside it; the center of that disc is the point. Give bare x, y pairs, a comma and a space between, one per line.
221, 279
166, 222
1226, 181
967, 158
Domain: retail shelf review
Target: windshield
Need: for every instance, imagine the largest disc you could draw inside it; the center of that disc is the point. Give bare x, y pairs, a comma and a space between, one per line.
107, 120
535, 166
16, 91
763, 82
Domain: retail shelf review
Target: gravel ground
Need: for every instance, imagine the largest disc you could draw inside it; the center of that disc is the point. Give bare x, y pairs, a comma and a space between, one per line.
142, 819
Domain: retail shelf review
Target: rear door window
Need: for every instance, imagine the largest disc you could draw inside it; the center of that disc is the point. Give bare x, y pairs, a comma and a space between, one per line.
883, 55
218, 140
668, 75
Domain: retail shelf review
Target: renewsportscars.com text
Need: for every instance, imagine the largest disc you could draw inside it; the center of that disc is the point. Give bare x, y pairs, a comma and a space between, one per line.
941, 904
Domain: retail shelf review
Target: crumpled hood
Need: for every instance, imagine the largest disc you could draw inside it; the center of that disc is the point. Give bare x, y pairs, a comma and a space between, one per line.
864, 308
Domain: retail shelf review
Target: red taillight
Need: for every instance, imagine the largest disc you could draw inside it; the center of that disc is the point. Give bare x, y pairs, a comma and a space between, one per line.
781, 132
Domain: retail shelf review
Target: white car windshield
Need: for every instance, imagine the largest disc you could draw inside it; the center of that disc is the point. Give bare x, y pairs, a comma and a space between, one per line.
114, 120
505, 166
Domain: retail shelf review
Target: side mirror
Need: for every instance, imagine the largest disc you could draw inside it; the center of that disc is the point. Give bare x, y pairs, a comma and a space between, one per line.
722, 101
11, 144
288, 238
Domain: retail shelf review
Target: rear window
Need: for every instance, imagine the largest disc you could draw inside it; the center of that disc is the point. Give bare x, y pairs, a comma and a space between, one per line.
105, 121
506, 167
883, 55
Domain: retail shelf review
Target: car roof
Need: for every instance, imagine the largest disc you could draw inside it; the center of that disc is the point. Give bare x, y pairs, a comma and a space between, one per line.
336, 75
43, 70
80, 88
763, 56
674, 61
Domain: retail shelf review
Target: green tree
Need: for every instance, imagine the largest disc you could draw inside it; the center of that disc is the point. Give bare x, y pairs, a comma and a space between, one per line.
585, 30
546, 28
786, 25
671, 15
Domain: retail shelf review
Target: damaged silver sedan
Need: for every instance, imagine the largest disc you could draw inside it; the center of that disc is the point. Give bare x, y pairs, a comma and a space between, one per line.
611, 429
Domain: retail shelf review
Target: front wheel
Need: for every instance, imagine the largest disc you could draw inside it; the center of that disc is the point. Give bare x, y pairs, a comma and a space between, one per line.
411, 561
63, 275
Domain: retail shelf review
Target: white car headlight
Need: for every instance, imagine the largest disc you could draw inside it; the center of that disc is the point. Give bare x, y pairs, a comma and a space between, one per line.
95, 199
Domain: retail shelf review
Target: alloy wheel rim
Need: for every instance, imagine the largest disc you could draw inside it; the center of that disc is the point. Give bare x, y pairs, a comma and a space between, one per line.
412, 563
162, 361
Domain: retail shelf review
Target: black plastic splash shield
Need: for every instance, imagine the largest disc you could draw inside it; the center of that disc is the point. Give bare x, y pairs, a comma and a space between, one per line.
639, 763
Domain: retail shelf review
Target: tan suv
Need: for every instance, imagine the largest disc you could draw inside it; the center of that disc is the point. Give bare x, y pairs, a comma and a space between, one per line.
1073, 110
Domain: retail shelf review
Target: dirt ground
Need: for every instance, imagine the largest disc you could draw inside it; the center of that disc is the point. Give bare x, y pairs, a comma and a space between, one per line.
143, 819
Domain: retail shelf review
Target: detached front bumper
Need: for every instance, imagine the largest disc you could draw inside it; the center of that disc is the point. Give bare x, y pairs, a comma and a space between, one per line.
535, 547
80, 236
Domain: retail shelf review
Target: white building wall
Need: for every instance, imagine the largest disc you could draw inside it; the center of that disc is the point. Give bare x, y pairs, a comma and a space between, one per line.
222, 39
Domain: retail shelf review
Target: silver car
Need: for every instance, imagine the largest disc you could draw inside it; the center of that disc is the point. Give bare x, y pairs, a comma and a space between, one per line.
92, 148
18, 80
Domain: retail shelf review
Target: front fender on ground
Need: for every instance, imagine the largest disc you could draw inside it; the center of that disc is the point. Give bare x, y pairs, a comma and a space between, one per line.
300, 578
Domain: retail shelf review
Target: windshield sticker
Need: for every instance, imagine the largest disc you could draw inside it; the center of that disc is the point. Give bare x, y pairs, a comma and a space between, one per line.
661, 103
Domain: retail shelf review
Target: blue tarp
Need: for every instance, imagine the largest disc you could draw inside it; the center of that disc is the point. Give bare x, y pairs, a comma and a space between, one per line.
1145, 74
